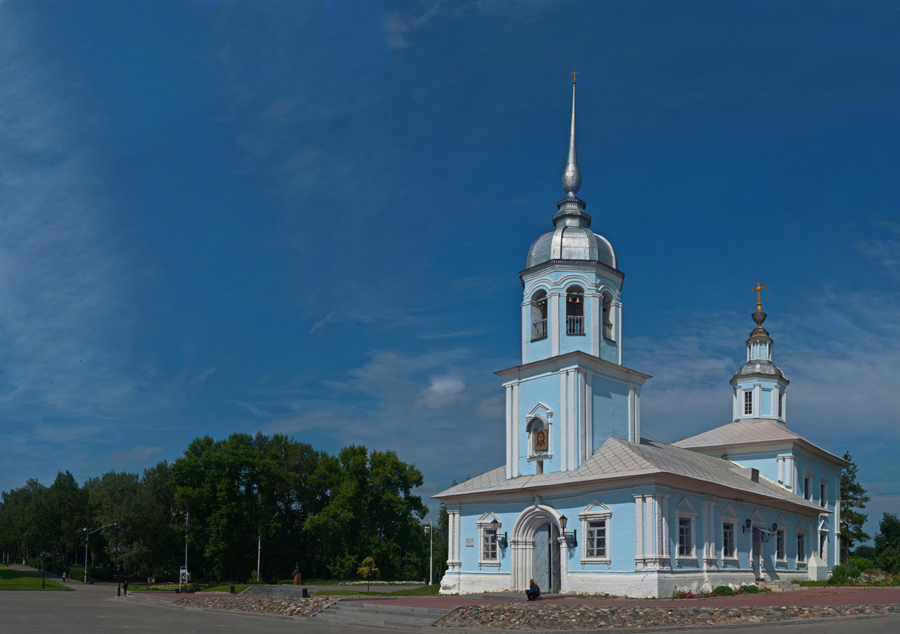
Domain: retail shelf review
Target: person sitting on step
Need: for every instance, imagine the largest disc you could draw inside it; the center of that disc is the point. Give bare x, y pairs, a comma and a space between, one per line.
533, 591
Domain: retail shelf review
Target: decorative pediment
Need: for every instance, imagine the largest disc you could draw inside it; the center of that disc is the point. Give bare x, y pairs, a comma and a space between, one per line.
487, 518
540, 413
801, 527
728, 513
595, 509
757, 518
685, 505
782, 523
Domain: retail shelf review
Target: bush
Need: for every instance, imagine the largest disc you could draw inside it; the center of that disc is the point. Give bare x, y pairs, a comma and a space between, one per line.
842, 573
862, 563
750, 589
723, 590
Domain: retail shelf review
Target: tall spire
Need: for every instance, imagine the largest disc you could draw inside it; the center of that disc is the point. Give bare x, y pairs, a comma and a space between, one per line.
571, 180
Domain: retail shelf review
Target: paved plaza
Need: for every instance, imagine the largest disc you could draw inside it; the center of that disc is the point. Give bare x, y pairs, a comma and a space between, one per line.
96, 609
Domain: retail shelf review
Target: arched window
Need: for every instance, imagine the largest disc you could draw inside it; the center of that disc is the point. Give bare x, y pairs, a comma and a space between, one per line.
539, 316
609, 327
575, 310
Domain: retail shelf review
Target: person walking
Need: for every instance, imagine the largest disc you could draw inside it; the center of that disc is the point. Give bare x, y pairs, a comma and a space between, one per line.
125, 587
533, 591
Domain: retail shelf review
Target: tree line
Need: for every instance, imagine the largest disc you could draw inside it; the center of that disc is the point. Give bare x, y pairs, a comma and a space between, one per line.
235, 500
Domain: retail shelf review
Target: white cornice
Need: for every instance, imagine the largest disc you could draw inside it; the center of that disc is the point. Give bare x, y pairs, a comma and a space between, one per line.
569, 360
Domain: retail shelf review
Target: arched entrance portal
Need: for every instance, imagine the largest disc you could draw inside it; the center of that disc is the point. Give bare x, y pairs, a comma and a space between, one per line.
537, 551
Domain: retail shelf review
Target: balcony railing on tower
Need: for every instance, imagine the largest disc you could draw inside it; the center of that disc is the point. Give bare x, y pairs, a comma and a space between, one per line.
608, 331
575, 325
539, 330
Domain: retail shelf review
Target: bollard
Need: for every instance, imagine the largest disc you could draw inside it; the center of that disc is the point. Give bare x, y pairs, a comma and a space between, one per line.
305, 593
232, 589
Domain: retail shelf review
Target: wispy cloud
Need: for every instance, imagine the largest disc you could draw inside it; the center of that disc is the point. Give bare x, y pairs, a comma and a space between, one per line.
65, 320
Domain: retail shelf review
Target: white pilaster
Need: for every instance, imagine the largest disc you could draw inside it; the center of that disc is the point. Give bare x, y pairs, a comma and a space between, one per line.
631, 413
511, 458
757, 400
526, 327
563, 564
555, 323
572, 415
637, 414
639, 556
563, 421
516, 429
618, 326
589, 413
582, 421
596, 325
453, 561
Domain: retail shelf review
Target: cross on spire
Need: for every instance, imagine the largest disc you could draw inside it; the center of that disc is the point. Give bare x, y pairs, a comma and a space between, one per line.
573, 76
758, 290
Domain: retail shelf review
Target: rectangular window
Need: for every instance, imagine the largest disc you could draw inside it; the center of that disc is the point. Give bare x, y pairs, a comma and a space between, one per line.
779, 545
823, 544
781, 405
685, 543
489, 546
748, 402
823, 489
728, 540
807, 488
596, 539
801, 547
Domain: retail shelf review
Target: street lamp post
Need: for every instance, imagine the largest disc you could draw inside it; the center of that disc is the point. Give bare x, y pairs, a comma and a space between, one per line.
87, 535
429, 530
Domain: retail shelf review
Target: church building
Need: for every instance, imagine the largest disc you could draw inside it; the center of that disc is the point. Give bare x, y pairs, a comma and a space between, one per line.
584, 503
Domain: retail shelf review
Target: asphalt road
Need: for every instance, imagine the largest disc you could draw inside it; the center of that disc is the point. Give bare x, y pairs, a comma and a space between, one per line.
96, 610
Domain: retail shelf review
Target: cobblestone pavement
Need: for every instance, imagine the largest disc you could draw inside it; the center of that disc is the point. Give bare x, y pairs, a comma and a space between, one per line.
258, 604
557, 616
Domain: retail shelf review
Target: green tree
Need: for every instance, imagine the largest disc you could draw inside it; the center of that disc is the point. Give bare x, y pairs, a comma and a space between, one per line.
887, 544
853, 496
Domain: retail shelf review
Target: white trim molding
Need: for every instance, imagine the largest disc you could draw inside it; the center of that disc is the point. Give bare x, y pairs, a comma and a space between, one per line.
485, 529
596, 511
684, 510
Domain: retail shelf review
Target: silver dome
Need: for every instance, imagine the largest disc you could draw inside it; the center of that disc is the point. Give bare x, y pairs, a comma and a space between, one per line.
759, 366
571, 243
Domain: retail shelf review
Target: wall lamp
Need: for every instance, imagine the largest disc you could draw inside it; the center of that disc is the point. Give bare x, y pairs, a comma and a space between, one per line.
571, 538
501, 539
748, 526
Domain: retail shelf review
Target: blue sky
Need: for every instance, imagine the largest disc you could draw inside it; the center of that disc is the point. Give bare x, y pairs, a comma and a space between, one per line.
309, 217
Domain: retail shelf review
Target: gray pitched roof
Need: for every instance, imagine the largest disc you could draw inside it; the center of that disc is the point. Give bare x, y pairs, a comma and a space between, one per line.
618, 458
752, 430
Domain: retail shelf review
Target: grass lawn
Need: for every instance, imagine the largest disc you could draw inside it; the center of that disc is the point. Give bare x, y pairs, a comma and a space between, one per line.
16, 580
423, 591
238, 588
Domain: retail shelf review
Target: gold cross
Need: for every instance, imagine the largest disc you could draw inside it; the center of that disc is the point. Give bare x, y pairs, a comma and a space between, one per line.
573, 76
758, 289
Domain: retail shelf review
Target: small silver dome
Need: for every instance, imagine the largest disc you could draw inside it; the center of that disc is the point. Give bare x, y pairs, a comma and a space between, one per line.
759, 366
571, 243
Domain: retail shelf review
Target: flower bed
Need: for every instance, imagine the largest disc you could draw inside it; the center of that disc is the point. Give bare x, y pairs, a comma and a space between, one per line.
721, 591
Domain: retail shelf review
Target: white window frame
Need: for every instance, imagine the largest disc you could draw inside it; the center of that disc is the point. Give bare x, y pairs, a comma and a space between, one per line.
781, 534
744, 403
685, 510
782, 531
543, 415
822, 548
594, 512
823, 489
485, 527
728, 516
808, 477
801, 531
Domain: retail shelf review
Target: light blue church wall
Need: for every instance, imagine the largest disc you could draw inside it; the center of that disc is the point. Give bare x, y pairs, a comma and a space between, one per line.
765, 406
609, 350
610, 410
622, 534
544, 389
